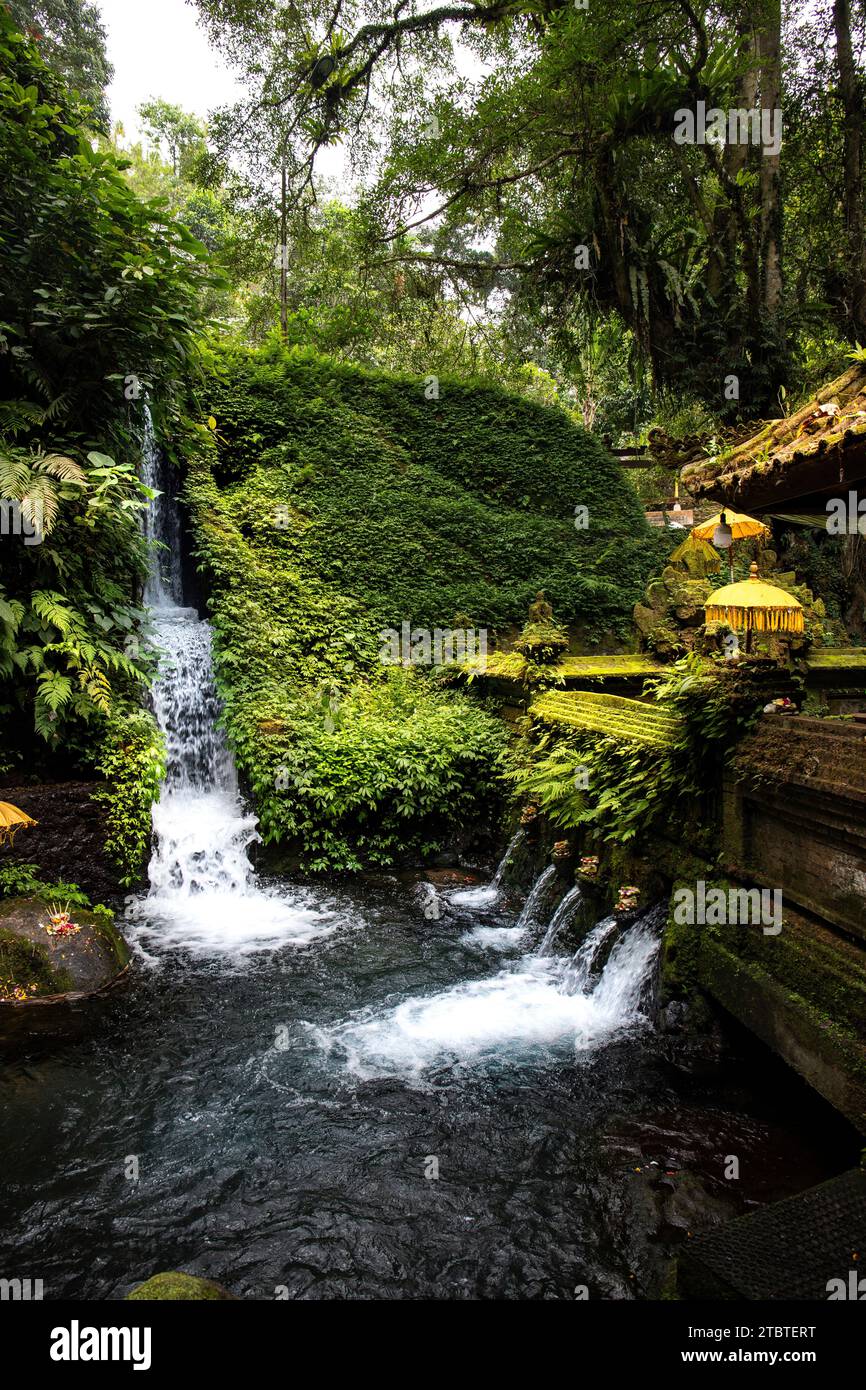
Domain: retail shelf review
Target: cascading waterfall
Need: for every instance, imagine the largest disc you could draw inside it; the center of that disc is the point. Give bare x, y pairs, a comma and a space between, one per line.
203, 895
164, 583
536, 897
581, 970
536, 1005
561, 918
488, 892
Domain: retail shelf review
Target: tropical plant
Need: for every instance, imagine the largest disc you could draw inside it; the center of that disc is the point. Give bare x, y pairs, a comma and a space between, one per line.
38, 483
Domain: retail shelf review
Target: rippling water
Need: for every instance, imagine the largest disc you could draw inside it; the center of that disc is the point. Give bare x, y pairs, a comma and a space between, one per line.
284, 1106
365, 1092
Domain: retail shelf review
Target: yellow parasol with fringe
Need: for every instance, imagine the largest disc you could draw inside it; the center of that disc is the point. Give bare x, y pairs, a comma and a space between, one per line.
754, 606
742, 527
11, 819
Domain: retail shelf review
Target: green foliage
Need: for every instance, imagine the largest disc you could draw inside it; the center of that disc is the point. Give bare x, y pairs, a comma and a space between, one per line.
424, 509
19, 880
564, 139
98, 304
332, 504
398, 767
133, 764
621, 780
71, 39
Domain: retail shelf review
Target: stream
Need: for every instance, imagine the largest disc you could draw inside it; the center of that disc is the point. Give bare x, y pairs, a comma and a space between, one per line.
331, 1092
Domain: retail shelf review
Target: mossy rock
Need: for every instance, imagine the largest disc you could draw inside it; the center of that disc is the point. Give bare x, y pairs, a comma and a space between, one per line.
542, 642
176, 1287
50, 984
26, 966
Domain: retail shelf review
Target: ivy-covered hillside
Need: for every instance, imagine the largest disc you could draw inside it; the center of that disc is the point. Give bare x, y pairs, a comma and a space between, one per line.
330, 503
424, 509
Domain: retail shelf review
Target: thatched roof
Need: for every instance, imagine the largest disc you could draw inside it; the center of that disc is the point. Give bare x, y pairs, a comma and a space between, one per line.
819, 450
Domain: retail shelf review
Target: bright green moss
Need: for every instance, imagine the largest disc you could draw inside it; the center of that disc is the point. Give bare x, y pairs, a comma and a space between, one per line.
333, 504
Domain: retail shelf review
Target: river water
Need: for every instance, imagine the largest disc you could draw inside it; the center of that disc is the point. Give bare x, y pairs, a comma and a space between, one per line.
367, 1090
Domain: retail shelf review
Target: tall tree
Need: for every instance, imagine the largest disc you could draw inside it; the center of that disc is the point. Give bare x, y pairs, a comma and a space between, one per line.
851, 96
71, 39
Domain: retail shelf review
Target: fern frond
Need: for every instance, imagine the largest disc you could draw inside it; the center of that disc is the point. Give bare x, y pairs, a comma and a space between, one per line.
63, 468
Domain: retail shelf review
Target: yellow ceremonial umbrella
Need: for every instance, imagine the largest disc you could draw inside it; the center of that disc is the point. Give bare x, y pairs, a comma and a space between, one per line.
11, 819
726, 527
754, 606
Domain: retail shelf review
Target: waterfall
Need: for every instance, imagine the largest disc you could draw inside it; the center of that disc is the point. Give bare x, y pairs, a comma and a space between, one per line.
537, 892
203, 894
489, 892
164, 584
561, 917
580, 971
537, 1004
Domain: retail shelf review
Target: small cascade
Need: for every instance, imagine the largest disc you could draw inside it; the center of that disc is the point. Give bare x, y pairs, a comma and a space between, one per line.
164, 584
203, 894
579, 974
488, 893
536, 1005
560, 919
536, 897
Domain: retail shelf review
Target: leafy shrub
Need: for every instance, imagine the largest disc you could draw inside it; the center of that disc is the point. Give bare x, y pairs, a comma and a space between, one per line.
627, 786
98, 300
395, 766
18, 880
331, 503
133, 764
422, 509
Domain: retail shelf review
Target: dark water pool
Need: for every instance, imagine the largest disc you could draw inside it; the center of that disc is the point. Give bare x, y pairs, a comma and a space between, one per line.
286, 1114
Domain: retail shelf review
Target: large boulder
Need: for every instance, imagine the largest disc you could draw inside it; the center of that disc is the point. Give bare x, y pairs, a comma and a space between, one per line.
55, 972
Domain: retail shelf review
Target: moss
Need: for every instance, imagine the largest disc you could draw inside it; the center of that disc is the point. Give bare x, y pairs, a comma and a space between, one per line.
331, 507
769, 1009
26, 966
177, 1287
612, 715
102, 922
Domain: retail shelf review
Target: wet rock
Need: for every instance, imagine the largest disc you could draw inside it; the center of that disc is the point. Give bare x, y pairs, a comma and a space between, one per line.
691, 1206
432, 905
673, 1018
53, 981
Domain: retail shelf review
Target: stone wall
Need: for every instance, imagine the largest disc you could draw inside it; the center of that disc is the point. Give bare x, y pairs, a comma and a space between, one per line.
795, 816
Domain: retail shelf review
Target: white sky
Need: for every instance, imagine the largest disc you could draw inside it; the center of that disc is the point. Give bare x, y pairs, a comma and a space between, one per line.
158, 50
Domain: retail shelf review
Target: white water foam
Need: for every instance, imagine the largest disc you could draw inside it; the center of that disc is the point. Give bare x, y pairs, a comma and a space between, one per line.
493, 938
203, 896
516, 1012
487, 894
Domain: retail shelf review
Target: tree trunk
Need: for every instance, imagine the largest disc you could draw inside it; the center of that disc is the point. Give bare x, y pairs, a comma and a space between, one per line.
851, 95
284, 256
770, 51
